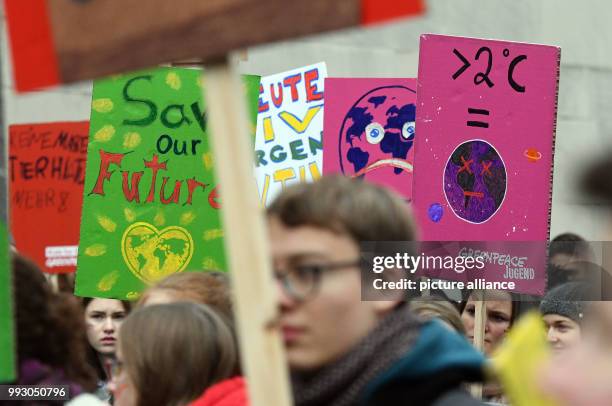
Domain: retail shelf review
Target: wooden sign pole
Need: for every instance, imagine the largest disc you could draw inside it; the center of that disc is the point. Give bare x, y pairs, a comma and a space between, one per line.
480, 317
479, 320
246, 240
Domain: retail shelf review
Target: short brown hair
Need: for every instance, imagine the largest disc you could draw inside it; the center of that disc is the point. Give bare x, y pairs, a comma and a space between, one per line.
209, 288
362, 210
173, 352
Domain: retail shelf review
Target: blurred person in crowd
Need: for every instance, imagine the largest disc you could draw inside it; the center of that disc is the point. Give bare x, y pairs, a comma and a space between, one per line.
50, 334
581, 375
103, 317
567, 248
435, 307
596, 277
342, 350
173, 354
210, 288
501, 311
564, 251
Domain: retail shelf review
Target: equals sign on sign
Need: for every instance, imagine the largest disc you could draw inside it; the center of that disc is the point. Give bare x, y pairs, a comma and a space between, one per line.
482, 124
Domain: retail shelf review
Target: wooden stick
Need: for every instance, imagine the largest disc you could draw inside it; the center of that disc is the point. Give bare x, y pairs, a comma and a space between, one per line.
246, 240
479, 320
480, 317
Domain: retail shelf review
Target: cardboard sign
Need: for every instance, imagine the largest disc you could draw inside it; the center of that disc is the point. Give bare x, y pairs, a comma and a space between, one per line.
288, 144
7, 340
150, 204
47, 172
369, 130
49, 48
486, 120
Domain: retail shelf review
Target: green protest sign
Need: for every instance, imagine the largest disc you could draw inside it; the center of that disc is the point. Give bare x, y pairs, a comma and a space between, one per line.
251, 84
7, 344
150, 206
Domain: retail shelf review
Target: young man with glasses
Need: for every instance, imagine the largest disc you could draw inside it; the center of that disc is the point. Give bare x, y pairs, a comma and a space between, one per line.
342, 350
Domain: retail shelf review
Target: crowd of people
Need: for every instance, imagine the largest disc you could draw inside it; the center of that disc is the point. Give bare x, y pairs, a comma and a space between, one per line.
177, 345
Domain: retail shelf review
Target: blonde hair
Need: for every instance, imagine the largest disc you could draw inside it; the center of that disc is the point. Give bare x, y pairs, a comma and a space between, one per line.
209, 288
429, 307
173, 352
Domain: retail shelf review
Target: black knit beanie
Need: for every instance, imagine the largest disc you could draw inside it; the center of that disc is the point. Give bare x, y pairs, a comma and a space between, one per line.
566, 300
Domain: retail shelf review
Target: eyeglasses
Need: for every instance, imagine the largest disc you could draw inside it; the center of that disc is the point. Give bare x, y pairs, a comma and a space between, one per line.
301, 282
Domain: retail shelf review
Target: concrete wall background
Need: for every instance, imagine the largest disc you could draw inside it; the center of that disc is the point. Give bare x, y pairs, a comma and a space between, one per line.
582, 30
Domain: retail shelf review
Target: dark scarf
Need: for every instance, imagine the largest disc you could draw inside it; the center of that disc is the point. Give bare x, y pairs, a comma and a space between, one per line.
343, 382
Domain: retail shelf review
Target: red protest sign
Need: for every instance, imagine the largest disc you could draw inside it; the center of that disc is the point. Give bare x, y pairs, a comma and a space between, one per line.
47, 172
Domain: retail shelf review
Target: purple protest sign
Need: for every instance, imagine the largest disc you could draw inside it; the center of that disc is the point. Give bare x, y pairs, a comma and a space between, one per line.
486, 117
369, 132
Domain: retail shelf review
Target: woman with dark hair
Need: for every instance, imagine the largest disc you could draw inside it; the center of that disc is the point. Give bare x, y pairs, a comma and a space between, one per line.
103, 317
50, 333
501, 310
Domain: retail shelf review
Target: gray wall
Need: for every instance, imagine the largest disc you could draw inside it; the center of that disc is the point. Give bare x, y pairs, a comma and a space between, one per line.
581, 29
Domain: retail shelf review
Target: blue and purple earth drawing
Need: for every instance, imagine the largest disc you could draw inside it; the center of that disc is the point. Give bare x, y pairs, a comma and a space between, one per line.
475, 181
378, 133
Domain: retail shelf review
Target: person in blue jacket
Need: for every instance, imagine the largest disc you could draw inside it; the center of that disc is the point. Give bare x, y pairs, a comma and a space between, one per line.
341, 348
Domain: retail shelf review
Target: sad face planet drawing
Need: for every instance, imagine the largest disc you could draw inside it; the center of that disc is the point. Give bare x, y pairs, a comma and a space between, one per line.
475, 181
377, 135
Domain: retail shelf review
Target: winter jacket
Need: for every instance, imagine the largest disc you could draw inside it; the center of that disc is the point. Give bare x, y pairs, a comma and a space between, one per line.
433, 372
231, 392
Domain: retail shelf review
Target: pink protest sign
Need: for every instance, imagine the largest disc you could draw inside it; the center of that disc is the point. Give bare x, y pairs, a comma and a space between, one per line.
486, 121
368, 130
